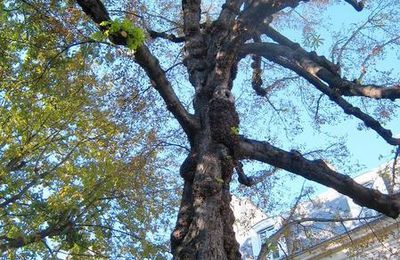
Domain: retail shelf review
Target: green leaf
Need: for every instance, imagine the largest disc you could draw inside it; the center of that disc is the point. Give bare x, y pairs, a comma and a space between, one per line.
98, 36
135, 36
105, 23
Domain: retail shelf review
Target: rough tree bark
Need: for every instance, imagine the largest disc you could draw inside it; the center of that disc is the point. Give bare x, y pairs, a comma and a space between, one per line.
204, 226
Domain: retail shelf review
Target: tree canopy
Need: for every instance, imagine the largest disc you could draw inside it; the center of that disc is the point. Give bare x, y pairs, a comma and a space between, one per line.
101, 101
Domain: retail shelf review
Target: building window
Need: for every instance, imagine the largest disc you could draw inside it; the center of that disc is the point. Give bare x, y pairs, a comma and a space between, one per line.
265, 233
275, 253
247, 249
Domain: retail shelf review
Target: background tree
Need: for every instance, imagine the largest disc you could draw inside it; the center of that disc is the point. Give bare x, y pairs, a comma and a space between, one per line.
214, 42
77, 172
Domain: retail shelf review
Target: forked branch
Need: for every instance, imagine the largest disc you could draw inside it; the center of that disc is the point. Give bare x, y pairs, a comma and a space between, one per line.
96, 10
258, 10
313, 72
318, 171
329, 72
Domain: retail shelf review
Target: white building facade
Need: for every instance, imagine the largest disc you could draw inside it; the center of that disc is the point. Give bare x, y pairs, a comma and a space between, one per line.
355, 233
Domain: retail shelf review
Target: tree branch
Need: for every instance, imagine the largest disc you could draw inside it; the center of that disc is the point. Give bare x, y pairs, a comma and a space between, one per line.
109, 228
256, 79
53, 230
357, 5
318, 171
160, 82
242, 177
96, 10
164, 35
281, 39
240, 30
230, 9
312, 72
258, 10
329, 72
193, 38
37, 178
191, 16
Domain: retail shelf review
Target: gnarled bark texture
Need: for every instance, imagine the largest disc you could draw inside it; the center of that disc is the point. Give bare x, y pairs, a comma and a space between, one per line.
204, 228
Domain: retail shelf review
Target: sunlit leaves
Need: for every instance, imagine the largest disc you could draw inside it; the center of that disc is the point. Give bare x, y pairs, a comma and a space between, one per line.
134, 35
72, 174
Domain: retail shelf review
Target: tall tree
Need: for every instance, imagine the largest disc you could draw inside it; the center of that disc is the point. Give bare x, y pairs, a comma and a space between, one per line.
212, 53
214, 45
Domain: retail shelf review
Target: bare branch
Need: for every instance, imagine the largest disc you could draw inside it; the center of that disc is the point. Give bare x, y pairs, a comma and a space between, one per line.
306, 67
354, 34
256, 80
341, 220
357, 5
164, 143
242, 177
377, 49
109, 228
230, 9
48, 248
258, 10
97, 11
329, 72
318, 171
160, 82
151, 15
164, 35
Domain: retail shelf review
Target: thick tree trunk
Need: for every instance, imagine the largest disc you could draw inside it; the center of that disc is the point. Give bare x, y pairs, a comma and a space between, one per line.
204, 228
